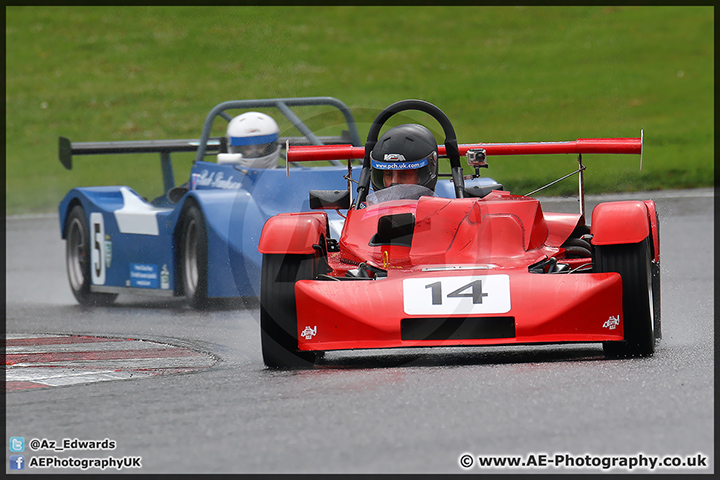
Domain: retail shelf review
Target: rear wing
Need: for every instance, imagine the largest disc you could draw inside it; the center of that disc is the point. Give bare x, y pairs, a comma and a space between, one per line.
579, 146
206, 145
66, 148
477, 152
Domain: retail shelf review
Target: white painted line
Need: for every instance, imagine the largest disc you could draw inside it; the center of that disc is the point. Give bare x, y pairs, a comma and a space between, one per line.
56, 377
130, 363
14, 336
86, 347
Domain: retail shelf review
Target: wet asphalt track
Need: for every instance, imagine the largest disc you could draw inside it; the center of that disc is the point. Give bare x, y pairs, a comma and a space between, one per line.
396, 411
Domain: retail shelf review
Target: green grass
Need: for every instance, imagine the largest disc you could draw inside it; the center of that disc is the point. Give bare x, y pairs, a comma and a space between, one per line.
502, 74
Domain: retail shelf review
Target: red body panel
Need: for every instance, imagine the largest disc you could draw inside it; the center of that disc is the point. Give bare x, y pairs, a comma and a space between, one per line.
544, 308
361, 225
620, 222
500, 227
560, 226
292, 232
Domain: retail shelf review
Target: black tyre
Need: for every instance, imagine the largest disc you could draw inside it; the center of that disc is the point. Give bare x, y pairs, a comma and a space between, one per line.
78, 259
193, 257
634, 264
278, 316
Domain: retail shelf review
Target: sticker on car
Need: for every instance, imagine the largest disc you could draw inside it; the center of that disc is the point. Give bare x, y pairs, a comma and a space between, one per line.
457, 295
143, 276
97, 250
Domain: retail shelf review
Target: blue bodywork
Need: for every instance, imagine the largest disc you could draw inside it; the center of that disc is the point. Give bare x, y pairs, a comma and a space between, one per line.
142, 238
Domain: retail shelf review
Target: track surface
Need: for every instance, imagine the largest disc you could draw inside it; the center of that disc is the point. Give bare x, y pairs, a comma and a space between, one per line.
370, 412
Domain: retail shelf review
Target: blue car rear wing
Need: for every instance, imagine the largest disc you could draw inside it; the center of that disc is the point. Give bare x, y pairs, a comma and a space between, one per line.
66, 150
207, 145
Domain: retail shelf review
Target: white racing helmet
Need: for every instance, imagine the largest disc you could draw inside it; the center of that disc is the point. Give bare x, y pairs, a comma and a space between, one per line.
252, 141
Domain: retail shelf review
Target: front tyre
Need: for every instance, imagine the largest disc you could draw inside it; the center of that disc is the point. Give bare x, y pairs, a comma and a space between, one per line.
193, 263
78, 259
634, 264
278, 315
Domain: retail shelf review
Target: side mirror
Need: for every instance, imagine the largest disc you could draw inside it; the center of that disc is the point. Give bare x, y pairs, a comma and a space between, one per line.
394, 230
329, 199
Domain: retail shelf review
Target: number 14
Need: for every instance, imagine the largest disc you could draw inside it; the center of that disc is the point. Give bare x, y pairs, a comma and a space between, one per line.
475, 288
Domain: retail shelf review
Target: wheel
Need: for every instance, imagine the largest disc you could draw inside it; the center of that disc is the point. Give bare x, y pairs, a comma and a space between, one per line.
278, 317
78, 259
193, 265
634, 264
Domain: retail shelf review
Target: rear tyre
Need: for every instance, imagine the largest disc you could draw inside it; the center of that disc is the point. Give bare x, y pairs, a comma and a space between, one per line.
193, 263
77, 260
634, 264
278, 315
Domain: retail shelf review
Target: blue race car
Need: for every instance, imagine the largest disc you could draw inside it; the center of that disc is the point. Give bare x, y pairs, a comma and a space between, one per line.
200, 239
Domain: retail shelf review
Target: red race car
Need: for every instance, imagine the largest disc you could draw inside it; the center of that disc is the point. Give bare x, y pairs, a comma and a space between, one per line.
486, 268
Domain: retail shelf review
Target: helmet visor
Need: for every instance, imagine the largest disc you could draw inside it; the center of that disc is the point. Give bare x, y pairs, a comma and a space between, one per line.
253, 147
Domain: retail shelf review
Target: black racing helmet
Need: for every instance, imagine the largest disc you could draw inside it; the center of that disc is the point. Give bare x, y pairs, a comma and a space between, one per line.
406, 147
